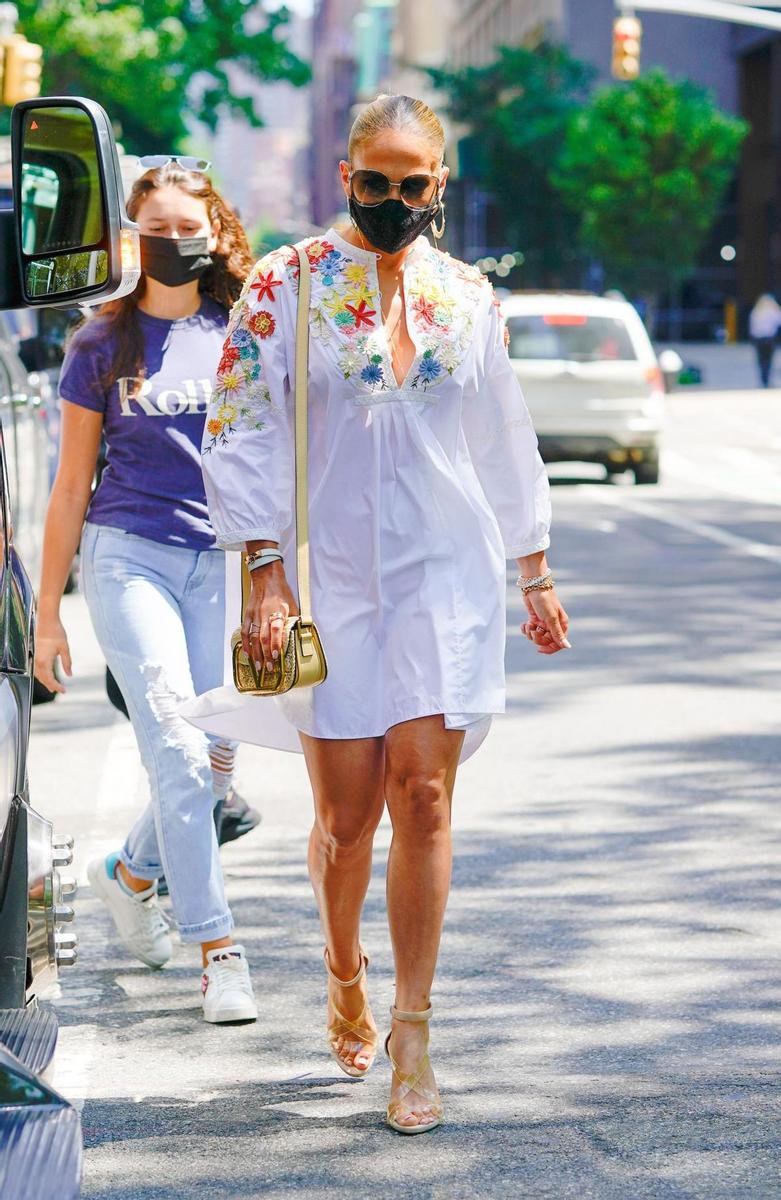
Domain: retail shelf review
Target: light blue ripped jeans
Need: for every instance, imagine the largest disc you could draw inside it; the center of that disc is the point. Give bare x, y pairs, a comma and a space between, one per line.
158, 612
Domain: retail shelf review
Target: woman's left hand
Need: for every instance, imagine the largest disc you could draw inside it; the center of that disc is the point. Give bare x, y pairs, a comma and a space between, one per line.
547, 624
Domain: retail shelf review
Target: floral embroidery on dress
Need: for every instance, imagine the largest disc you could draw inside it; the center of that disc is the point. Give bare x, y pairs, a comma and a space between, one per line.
362, 314
344, 303
264, 285
262, 323
443, 295
364, 356
240, 395
326, 262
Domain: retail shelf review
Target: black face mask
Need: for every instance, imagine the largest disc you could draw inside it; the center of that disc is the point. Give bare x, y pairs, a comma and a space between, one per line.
391, 226
174, 261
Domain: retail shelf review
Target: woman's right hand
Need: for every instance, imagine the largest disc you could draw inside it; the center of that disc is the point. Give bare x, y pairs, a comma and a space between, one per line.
270, 604
51, 643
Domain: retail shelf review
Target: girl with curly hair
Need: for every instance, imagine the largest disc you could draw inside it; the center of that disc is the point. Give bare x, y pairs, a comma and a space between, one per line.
139, 374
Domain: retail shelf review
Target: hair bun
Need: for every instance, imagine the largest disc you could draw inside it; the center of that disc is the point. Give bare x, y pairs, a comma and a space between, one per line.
397, 112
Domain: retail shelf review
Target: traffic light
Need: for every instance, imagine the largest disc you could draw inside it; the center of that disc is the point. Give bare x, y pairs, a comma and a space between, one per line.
22, 66
627, 35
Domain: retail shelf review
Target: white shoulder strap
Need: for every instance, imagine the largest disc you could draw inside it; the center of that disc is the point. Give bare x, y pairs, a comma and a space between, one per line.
301, 453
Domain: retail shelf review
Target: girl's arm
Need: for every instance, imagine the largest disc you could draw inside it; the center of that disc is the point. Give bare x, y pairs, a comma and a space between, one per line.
79, 446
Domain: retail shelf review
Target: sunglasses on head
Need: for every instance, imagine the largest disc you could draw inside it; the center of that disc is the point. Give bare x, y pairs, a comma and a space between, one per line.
371, 188
151, 162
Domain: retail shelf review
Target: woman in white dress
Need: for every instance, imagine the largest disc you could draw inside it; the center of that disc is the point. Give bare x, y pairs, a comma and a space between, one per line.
424, 478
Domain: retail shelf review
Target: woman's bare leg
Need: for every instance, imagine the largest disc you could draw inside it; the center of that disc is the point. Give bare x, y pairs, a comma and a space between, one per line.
347, 782
421, 758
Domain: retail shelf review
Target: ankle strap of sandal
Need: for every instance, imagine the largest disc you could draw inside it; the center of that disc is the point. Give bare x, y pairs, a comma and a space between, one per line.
398, 1014
345, 983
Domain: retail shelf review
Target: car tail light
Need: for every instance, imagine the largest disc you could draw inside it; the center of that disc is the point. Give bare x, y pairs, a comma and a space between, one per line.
656, 379
564, 319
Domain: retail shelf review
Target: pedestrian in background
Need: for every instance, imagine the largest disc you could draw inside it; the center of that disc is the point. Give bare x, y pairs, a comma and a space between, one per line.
424, 477
763, 325
140, 373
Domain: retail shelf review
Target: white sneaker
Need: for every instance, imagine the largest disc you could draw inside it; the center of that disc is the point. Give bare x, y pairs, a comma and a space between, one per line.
140, 923
227, 988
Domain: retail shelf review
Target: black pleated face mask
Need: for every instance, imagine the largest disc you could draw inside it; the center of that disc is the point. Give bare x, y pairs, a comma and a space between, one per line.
391, 226
174, 261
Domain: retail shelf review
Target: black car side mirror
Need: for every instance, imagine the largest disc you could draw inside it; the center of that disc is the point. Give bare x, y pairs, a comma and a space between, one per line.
75, 241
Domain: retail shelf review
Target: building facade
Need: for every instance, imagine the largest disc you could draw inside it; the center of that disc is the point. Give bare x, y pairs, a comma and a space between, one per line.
332, 96
479, 26
422, 38
740, 66
759, 188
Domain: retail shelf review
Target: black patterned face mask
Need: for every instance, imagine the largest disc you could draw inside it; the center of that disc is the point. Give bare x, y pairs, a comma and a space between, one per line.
174, 261
391, 226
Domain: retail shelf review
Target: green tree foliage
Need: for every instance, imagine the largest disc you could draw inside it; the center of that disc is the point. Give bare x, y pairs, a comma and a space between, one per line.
151, 65
647, 165
517, 110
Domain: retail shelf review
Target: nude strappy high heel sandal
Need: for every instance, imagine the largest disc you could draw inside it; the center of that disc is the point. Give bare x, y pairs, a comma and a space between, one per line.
411, 1081
344, 1027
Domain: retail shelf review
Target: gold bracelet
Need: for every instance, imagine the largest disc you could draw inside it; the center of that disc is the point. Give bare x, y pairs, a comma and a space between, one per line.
543, 583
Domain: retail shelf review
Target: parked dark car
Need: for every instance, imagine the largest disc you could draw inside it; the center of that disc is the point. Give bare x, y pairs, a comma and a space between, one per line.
60, 244
35, 935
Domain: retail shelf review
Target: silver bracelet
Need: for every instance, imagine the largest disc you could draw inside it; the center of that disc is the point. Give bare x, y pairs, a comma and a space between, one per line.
262, 559
535, 583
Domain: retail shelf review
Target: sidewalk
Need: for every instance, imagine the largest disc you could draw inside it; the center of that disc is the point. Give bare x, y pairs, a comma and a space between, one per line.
724, 368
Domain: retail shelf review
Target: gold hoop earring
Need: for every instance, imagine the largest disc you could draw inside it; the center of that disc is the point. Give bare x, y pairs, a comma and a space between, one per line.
438, 233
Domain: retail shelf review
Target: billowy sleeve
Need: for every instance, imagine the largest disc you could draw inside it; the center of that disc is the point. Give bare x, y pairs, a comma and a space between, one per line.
503, 445
248, 448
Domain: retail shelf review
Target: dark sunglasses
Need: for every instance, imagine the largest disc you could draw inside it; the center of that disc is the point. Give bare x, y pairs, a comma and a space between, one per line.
370, 188
151, 162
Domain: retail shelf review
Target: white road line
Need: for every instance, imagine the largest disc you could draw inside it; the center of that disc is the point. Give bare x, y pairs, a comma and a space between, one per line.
116, 801
713, 533
119, 797
76, 1050
756, 480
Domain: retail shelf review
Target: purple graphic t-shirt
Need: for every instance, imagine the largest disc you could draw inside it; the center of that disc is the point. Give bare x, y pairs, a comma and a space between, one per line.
152, 484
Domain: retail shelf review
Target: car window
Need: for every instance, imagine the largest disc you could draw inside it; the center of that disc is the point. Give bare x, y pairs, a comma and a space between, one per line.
576, 337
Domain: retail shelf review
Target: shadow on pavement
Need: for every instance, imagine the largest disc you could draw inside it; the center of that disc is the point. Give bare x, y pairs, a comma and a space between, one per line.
607, 1006
605, 1027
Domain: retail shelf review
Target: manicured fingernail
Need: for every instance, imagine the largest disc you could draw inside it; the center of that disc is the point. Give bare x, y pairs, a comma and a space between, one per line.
268, 666
566, 644
257, 665
275, 654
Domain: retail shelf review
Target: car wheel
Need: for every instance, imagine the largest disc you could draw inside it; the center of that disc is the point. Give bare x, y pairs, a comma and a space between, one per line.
14, 909
647, 472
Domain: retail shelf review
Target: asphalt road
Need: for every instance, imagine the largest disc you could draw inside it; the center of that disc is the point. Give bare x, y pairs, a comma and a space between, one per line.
608, 1000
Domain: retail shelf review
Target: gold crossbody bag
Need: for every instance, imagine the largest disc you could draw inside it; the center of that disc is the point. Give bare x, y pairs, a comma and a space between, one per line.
302, 661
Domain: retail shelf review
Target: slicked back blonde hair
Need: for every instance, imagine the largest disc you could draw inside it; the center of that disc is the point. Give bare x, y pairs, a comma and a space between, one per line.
397, 112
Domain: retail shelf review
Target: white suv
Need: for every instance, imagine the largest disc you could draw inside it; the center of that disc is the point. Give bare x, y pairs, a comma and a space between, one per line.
591, 380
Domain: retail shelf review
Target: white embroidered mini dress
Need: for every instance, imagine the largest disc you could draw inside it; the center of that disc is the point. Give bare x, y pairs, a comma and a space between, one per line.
418, 492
